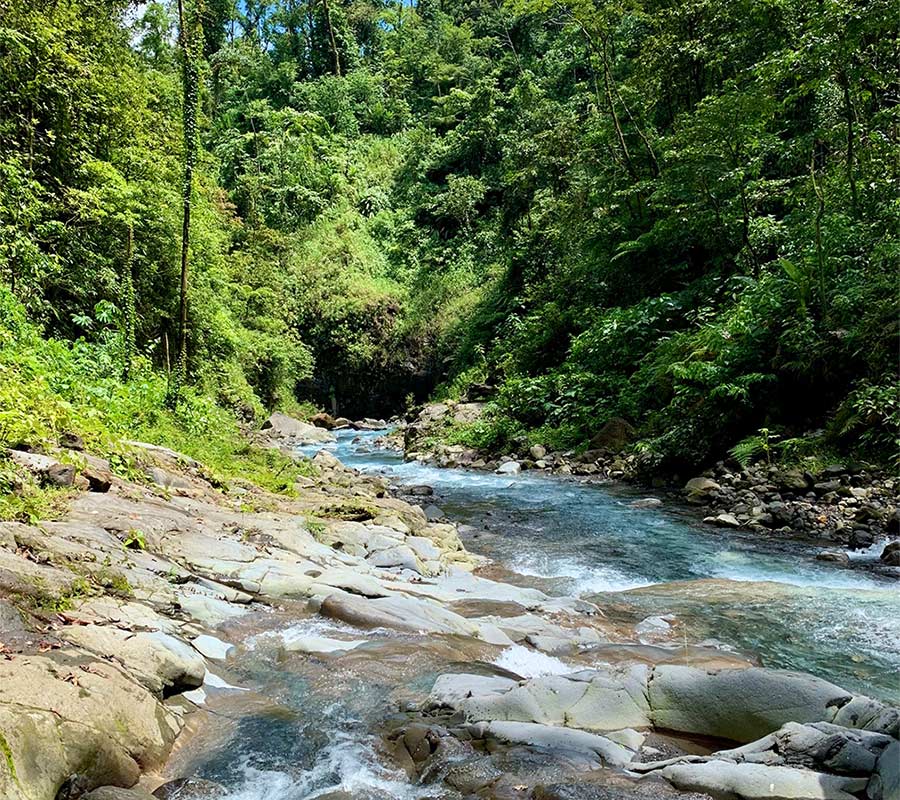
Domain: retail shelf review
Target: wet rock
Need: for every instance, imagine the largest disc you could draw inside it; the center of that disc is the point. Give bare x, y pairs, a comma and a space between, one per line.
885, 782
836, 556
189, 789
509, 468
598, 750
117, 793
891, 554
418, 491
320, 644
646, 502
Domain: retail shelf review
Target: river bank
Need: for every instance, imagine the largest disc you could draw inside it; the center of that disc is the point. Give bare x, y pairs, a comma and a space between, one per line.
841, 504
340, 644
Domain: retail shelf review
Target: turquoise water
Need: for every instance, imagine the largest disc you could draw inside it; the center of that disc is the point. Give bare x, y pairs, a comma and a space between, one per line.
309, 726
764, 597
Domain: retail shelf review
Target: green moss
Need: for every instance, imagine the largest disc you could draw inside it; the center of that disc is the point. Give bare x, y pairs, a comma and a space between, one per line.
6, 750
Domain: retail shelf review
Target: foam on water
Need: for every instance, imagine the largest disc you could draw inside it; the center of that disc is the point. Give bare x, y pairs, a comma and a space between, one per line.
531, 663
348, 764
579, 578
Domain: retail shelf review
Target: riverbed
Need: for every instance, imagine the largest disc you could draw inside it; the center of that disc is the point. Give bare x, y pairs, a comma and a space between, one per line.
306, 727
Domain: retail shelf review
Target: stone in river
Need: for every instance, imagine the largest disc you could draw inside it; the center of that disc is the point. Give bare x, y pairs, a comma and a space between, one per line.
509, 468
646, 502
211, 647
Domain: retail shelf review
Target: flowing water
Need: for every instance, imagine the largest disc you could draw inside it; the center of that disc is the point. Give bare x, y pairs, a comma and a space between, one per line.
308, 730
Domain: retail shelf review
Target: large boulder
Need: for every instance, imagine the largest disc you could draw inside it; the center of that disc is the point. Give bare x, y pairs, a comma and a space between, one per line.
738, 704
164, 664
725, 780
601, 749
289, 430
615, 435
698, 490
68, 718
595, 700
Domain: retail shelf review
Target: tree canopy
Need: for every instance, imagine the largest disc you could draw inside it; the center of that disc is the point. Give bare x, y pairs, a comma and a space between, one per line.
680, 212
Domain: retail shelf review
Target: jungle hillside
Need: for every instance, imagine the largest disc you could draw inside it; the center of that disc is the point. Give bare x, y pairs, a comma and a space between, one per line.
681, 213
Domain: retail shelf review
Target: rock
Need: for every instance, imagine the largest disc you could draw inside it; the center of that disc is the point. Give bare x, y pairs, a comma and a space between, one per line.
891, 554
99, 480
60, 475
885, 782
724, 520
824, 487
738, 704
600, 749
596, 700
189, 789
433, 513
401, 556
49, 470
837, 556
723, 779
646, 502
117, 793
860, 539
164, 664
322, 420
537, 451
654, 626
509, 468
794, 480
294, 431
418, 491
167, 480
342, 422
71, 441
211, 647
85, 717
614, 436
699, 489
320, 644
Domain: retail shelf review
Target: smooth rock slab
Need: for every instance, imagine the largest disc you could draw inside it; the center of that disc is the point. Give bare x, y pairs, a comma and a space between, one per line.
211, 647
724, 780
599, 749
739, 704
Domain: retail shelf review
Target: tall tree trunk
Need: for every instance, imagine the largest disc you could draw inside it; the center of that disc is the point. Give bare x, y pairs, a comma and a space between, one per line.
332, 40
851, 140
190, 84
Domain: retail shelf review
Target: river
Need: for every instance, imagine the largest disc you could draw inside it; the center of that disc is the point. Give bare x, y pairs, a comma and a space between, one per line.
306, 729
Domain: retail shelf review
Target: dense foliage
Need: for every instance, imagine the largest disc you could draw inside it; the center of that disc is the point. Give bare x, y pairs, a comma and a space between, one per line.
684, 213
